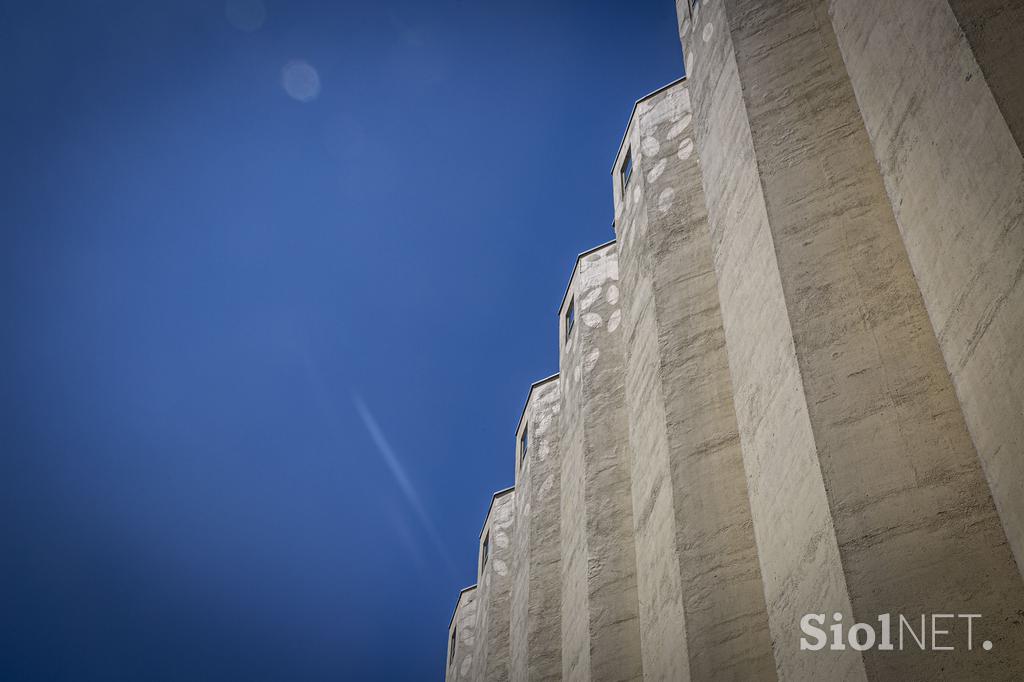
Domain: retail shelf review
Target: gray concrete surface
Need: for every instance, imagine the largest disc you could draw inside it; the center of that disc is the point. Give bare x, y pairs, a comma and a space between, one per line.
795, 384
536, 623
955, 180
491, 655
459, 664
600, 619
993, 28
911, 515
702, 609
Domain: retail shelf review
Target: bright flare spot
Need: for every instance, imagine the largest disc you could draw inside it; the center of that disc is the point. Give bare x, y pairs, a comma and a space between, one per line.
300, 81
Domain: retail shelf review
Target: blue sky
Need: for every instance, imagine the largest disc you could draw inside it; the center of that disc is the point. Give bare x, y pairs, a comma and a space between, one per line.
264, 352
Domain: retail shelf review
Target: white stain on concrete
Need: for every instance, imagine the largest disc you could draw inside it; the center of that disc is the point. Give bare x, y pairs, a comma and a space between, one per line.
665, 199
501, 540
650, 145
547, 485
708, 30
592, 320
597, 269
685, 149
613, 321
543, 452
679, 127
589, 298
656, 172
591, 360
612, 295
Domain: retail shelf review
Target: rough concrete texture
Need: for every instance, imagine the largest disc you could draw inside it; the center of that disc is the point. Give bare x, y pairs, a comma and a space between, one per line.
702, 609
955, 180
536, 634
994, 29
460, 664
802, 227
805, 395
491, 655
797, 549
600, 620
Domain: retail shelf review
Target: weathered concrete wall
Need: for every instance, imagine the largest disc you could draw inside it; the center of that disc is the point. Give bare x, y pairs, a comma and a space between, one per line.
796, 542
575, 606
460, 665
702, 609
955, 180
536, 634
600, 622
491, 657
870, 458
994, 29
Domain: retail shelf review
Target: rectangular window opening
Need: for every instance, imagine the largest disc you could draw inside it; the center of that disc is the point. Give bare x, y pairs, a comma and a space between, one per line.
451, 646
627, 169
483, 552
524, 443
570, 318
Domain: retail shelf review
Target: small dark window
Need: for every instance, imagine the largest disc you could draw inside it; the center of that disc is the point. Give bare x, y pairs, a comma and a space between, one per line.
483, 553
451, 647
524, 444
570, 317
627, 168
693, 5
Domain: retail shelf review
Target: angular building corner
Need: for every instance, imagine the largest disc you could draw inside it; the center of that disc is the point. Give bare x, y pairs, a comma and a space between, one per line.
794, 384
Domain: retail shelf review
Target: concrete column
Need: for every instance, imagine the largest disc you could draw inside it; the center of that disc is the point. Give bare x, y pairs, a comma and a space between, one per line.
491, 658
993, 28
600, 620
536, 635
461, 631
866, 491
955, 180
702, 608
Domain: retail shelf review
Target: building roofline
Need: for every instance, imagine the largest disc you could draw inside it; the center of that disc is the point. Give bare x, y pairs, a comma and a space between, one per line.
576, 265
458, 600
529, 394
495, 496
632, 113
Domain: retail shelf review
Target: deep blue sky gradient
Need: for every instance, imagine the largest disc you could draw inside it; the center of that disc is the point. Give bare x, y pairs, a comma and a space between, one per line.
263, 359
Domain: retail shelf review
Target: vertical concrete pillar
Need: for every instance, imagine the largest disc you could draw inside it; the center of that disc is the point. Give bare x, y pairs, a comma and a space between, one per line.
702, 608
491, 658
600, 620
461, 637
536, 635
867, 494
955, 180
993, 28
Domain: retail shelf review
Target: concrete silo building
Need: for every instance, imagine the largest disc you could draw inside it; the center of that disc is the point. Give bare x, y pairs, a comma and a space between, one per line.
794, 383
